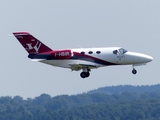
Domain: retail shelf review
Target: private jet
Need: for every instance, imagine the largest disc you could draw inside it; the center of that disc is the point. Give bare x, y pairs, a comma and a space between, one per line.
83, 59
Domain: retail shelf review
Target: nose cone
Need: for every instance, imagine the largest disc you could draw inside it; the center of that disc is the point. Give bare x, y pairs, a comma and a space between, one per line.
149, 58
138, 58
145, 58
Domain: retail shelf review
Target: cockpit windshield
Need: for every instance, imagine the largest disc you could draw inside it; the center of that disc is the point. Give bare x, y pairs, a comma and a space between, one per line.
120, 51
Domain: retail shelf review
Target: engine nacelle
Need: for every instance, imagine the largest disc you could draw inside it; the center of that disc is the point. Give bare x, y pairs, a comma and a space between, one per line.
62, 54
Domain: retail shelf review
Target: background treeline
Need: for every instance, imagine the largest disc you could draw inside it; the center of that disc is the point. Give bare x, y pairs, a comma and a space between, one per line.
107, 103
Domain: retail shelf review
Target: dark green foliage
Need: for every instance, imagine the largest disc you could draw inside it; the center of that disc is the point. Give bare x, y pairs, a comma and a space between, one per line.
122, 103
126, 88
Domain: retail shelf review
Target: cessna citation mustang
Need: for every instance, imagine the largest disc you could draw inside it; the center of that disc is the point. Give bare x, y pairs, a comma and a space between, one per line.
83, 59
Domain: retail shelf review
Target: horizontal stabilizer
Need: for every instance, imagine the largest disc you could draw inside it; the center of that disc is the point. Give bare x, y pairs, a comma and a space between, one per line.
37, 60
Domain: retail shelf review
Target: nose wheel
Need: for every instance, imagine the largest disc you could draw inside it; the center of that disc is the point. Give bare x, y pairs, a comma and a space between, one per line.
134, 71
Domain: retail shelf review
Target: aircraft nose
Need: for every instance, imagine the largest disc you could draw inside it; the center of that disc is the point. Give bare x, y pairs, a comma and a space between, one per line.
147, 58
140, 58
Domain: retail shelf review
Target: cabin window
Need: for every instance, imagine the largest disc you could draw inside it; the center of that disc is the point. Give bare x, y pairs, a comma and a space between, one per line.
120, 51
115, 52
98, 52
90, 52
82, 52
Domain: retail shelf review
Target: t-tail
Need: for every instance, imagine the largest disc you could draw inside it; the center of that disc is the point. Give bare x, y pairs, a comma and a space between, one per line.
30, 43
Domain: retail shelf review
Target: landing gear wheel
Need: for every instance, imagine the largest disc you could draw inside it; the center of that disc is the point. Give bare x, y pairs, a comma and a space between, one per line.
87, 74
134, 71
84, 74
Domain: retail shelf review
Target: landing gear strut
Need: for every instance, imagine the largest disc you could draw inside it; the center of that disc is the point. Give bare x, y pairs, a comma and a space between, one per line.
85, 73
134, 71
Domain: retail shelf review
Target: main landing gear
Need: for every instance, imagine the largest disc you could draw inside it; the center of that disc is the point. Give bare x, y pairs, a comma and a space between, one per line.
85, 73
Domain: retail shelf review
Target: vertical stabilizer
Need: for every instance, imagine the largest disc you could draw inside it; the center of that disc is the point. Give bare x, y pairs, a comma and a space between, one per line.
30, 43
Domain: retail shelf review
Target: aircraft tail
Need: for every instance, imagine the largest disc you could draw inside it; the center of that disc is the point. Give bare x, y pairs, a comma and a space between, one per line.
30, 43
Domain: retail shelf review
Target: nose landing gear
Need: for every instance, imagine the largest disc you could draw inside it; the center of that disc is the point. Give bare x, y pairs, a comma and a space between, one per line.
134, 71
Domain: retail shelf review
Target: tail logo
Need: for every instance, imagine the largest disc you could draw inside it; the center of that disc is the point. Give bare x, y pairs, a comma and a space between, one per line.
36, 47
